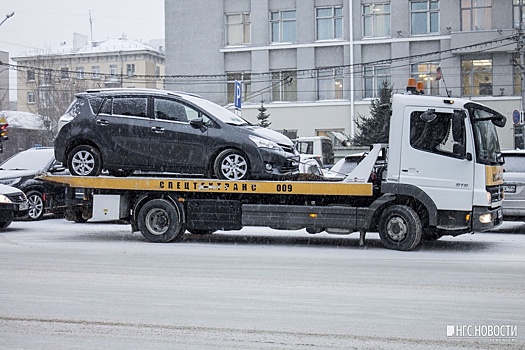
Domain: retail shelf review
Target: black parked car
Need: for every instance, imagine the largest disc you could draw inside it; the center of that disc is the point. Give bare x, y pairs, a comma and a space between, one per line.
13, 205
20, 170
123, 130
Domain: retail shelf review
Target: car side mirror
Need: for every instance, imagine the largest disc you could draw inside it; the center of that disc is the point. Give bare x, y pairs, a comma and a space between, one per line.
57, 168
198, 123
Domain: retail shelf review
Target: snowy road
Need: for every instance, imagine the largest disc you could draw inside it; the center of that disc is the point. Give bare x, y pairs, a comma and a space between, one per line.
96, 286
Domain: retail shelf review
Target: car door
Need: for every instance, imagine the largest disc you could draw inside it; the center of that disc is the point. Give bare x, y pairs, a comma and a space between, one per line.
123, 128
175, 145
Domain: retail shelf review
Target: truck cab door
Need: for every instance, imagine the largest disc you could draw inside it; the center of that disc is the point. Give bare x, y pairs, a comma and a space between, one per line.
436, 156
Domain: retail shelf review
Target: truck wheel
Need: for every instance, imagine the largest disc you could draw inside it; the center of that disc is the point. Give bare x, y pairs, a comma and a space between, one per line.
5, 224
160, 221
84, 160
231, 164
400, 228
36, 205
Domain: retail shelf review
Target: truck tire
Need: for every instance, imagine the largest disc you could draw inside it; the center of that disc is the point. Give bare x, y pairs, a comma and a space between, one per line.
36, 205
231, 164
5, 224
84, 160
400, 228
160, 221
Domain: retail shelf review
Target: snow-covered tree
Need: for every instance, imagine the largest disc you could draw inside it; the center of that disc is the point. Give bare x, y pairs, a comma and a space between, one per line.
374, 129
263, 117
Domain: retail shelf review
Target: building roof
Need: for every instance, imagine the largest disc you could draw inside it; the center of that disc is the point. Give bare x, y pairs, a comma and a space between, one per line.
23, 120
121, 45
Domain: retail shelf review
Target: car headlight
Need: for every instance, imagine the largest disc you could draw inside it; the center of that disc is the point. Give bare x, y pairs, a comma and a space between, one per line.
264, 143
4, 199
12, 181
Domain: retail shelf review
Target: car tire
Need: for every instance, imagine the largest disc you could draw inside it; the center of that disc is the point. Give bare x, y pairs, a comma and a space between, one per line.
84, 160
400, 228
36, 205
231, 164
160, 221
5, 224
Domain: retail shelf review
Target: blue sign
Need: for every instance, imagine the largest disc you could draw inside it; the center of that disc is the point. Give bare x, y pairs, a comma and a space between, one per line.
238, 94
516, 116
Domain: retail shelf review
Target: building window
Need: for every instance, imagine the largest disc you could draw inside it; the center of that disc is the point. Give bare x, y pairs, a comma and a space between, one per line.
113, 70
157, 72
373, 78
130, 70
426, 72
516, 13
48, 77
376, 20
329, 23
284, 26
424, 17
80, 72
65, 97
31, 97
30, 75
284, 86
95, 72
476, 15
476, 77
245, 78
64, 73
330, 84
238, 29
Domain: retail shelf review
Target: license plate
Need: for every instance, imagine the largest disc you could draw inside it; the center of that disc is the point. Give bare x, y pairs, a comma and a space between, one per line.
509, 188
23, 206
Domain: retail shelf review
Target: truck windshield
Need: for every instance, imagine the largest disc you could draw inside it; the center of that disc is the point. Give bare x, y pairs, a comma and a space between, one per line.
484, 121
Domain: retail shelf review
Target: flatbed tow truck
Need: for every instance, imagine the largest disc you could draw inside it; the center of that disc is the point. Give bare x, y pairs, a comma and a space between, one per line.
440, 174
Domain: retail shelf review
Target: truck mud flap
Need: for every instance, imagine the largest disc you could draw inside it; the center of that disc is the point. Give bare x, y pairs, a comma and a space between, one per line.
295, 217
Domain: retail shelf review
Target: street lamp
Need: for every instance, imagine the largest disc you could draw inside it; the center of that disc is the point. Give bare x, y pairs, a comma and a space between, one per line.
9, 15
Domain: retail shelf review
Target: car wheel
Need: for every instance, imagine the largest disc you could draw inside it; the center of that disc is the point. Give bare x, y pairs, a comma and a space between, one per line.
36, 205
5, 224
231, 164
84, 160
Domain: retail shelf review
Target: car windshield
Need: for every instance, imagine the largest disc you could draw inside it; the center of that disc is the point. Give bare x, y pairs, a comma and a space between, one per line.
514, 163
32, 159
217, 111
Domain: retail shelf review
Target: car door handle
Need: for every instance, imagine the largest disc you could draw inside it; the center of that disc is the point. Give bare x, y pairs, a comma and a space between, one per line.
157, 129
102, 122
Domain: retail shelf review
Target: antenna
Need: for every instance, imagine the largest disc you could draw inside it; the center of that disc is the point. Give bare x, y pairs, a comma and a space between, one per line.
91, 25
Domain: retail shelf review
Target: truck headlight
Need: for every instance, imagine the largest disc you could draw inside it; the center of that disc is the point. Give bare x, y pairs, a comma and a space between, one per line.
485, 218
12, 181
264, 143
4, 199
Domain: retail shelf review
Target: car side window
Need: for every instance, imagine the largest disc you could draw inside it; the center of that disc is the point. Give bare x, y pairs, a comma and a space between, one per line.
130, 106
170, 110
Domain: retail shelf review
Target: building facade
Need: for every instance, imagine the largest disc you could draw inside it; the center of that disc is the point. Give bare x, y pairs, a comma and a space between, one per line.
48, 81
317, 64
4, 81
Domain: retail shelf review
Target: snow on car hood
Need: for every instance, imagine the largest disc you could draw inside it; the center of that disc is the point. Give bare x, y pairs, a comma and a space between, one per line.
4, 189
269, 134
7, 174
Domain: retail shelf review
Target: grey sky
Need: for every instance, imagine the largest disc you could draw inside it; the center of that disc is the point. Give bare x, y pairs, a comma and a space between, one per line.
44, 24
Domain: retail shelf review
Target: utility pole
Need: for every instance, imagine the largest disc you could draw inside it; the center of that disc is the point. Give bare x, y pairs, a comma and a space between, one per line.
91, 25
521, 46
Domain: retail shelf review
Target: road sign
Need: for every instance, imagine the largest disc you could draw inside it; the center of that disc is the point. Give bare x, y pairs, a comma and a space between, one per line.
516, 116
238, 94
